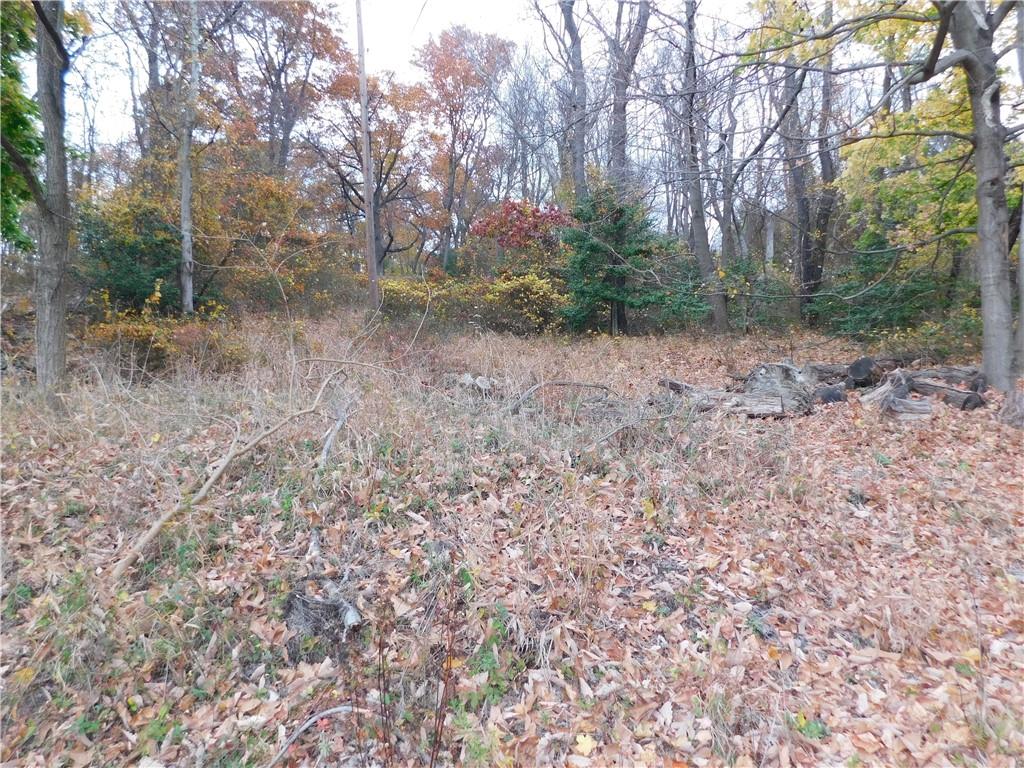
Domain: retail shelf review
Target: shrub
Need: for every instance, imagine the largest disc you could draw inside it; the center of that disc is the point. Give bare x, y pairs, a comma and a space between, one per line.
958, 334
127, 246
524, 304
144, 341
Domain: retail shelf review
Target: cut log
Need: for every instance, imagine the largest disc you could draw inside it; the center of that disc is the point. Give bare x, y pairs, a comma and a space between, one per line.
830, 394
864, 372
783, 382
971, 377
892, 397
825, 373
958, 398
747, 403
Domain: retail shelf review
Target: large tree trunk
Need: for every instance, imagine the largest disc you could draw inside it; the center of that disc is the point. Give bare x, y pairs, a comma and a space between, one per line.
990, 167
698, 222
578, 104
185, 163
808, 276
55, 208
1020, 223
827, 194
624, 54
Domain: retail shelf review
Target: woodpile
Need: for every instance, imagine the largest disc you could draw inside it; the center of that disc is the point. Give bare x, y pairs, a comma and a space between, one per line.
781, 389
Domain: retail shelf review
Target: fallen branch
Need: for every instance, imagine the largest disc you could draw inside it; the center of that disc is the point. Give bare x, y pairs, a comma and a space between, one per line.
892, 397
344, 709
343, 412
218, 468
518, 404
748, 403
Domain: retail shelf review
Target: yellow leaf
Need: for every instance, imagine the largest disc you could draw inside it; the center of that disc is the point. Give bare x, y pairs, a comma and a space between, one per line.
23, 676
649, 511
973, 655
585, 744
650, 606
155, 438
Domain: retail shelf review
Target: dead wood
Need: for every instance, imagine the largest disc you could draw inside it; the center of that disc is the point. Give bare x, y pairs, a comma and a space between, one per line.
191, 496
519, 401
958, 398
892, 397
747, 403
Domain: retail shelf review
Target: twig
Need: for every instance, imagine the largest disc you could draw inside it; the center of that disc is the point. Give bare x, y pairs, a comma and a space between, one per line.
344, 411
449, 656
220, 467
518, 404
344, 709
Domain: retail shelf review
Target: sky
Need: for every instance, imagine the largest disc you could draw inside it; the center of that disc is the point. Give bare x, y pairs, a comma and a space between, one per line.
392, 31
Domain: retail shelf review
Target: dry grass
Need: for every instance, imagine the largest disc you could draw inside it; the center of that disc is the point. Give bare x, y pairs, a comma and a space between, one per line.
621, 572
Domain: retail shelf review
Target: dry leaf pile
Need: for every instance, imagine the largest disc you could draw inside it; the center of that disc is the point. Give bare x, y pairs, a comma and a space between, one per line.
603, 580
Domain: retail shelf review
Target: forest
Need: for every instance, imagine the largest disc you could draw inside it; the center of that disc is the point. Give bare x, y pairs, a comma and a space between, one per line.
570, 383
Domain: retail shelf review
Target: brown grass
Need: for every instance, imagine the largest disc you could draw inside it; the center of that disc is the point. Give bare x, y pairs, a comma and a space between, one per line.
615, 553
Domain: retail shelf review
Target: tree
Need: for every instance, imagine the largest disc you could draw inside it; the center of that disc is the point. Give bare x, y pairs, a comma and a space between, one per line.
17, 118
698, 222
463, 71
50, 196
393, 110
570, 53
611, 255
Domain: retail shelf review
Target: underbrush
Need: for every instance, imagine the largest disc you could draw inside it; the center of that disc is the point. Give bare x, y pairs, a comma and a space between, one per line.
591, 578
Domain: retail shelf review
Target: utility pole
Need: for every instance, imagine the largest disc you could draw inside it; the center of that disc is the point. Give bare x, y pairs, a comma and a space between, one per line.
368, 185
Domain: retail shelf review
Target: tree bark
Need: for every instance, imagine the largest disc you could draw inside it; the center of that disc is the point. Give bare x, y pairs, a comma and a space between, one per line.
698, 222
53, 202
971, 35
578, 104
185, 163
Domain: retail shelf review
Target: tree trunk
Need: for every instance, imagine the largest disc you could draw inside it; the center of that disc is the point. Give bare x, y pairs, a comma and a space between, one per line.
805, 267
827, 194
578, 105
370, 207
698, 223
990, 167
55, 209
185, 162
623, 61
1020, 223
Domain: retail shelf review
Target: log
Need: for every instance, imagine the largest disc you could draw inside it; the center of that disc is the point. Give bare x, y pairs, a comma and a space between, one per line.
893, 398
835, 393
825, 373
863, 372
783, 382
964, 400
971, 377
746, 403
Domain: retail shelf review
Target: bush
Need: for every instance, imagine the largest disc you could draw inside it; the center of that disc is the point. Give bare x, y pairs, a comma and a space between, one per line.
958, 334
886, 297
144, 341
128, 246
522, 304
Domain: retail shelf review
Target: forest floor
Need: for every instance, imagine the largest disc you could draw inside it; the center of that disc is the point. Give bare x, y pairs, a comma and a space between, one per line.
592, 580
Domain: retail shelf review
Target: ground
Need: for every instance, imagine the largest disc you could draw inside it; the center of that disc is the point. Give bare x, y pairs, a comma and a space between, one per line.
595, 578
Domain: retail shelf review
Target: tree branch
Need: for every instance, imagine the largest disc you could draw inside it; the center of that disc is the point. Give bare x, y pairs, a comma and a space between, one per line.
24, 169
58, 43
